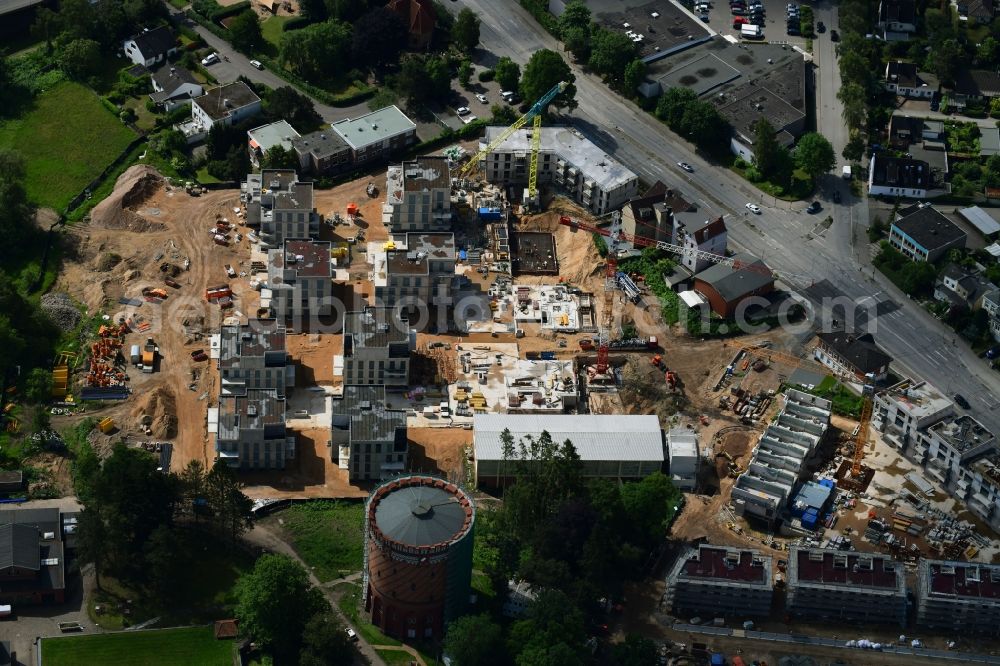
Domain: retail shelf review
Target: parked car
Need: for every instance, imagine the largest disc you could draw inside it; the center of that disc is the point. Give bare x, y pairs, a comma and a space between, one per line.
793, 31
351, 635
210, 59
993, 352
481, 97
834, 36
463, 111
836, 196
961, 401
758, 20
814, 207
753, 208
687, 167
820, 27
738, 21
935, 105
257, 64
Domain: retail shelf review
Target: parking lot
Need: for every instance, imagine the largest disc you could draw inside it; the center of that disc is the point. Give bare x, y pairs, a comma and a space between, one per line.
661, 24
775, 24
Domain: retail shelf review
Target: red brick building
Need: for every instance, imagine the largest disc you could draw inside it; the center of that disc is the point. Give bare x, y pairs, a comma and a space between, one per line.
725, 287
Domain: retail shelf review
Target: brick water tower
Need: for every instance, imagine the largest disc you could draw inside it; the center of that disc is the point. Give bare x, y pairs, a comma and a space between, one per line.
418, 556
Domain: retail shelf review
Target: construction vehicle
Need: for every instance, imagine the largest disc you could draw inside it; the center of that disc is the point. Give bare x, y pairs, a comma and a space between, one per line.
170, 282
192, 189
230, 272
657, 362
533, 114
149, 352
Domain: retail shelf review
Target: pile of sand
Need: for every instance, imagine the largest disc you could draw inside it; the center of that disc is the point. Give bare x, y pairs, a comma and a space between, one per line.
133, 187
158, 410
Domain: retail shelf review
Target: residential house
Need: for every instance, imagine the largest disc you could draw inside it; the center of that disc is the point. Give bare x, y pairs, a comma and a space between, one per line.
264, 138
980, 12
858, 357
377, 134
253, 356
900, 177
905, 80
960, 287
924, 234
716, 581
418, 196
226, 105
905, 131
956, 596
377, 349
280, 206
973, 86
897, 20
991, 304
322, 153
566, 159
250, 431
727, 286
520, 596
651, 215
368, 435
150, 47
707, 237
784, 110
300, 279
417, 274
32, 557
420, 19
174, 86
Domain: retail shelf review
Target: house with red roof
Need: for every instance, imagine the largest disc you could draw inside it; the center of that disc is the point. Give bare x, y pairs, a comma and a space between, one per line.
420, 19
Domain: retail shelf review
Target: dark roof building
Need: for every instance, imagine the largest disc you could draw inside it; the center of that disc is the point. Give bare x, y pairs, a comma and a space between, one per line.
727, 286
369, 437
720, 581
322, 152
899, 177
976, 83
858, 356
924, 234
11, 481
151, 46
958, 596
420, 20
32, 557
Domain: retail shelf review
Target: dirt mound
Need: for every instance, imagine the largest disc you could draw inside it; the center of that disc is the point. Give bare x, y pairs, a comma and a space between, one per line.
133, 187
157, 410
62, 310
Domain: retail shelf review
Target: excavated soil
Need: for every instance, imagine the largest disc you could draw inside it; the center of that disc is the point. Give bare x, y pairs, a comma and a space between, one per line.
132, 188
156, 409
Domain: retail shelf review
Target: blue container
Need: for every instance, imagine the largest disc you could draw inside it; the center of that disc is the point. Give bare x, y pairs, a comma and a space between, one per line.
829, 483
463, 255
810, 519
548, 356
718, 660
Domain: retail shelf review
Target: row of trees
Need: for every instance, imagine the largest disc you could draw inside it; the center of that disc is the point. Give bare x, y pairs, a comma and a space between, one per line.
860, 66
697, 121
608, 52
813, 156
574, 540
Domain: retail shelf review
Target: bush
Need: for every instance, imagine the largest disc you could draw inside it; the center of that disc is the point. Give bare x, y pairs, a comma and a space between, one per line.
296, 23
485, 75
116, 97
231, 10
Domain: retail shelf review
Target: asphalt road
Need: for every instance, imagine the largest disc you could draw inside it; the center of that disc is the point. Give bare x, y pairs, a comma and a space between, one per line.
814, 262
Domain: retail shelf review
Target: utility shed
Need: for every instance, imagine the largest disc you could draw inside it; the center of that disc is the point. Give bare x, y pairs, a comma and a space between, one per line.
609, 445
682, 448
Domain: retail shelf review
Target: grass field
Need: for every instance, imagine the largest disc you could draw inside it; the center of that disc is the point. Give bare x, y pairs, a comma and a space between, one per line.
67, 138
328, 536
273, 28
192, 646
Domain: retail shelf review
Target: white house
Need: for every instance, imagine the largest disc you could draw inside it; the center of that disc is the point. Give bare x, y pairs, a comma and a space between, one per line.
150, 47
225, 105
903, 79
174, 86
897, 19
899, 177
710, 236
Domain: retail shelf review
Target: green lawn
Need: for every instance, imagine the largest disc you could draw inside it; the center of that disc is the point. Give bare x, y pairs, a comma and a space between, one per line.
328, 536
273, 28
67, 138
191, 646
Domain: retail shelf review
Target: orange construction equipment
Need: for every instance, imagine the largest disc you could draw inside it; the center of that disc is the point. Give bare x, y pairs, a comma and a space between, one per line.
352, 209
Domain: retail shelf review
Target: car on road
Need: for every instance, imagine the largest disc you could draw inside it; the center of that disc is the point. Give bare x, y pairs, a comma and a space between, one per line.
351, 635
961, 401
463, 111
257, 64
834, 36
481, 97
836, 196
753, 208
820, 27
687, 167
814, 207
210, 59
993, 352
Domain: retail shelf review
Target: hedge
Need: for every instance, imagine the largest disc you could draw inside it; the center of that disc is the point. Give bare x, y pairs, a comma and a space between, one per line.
231, 10
296, 23
324, 96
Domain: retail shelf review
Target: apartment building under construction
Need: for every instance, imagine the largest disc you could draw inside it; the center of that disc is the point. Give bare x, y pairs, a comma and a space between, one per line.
719, 581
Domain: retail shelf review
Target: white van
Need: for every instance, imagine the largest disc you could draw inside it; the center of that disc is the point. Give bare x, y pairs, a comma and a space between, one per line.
507, 96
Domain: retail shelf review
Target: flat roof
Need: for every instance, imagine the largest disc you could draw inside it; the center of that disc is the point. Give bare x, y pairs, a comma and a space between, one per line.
848, 569
918, 400
307, 258
298, 196
962, 433
701, 75
682, 442
595, 436
727, 564
422, 511
254, 339
963, 579
237, 94
321, 144
570, 145
268, 136
426, 173
374, 327
362, 411
929, 228
755, 102
374, 127
259, 409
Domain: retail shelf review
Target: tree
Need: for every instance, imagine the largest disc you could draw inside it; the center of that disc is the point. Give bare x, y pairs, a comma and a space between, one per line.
544, 70
279, 157
704, 126
650, 505
346, 10
379, 38
552, 633
314, 52
46, 26
635, 74
244, 32
274, 603
38, 386
918, 278
226, 499
610, 52
574, 29
671, 105
988, 52
288, 103
475, 640
765, 147
164, 565
855, 148
464, 73
855, 68
313, 10
635, 650
814, 154
503, 115
944, 60
324, 642
90, 544
78, 19
465, 30
507, 73
80, 58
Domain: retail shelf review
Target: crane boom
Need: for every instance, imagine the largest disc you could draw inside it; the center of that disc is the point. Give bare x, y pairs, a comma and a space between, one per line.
536, 145
536, 110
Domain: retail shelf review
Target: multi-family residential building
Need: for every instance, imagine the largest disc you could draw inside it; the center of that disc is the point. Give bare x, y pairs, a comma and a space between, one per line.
568, 160
856, 356
300, 278
417, 274
322, 152
229, 104
991, 304
766, 487
900, 177
856, 587
264, 138
958, 596
897, 19
906, 408
708, 236
924, 234
151, 46
376, 349
280, 206
959, 286
418, 196
368, 436
253, 356
717, 581
652, 215
250, 430
377, 134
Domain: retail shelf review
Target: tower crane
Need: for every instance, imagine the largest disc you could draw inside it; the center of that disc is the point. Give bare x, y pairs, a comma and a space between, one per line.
533, 114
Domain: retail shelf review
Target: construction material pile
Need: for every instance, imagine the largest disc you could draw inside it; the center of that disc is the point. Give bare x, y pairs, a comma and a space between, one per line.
61, 310
155, 414
132, 188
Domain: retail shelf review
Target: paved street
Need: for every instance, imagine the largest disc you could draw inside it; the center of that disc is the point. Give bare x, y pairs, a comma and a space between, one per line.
834, 262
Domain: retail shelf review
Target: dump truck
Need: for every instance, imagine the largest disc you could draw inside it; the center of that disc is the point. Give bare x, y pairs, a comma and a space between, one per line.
149, 352
230, 271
